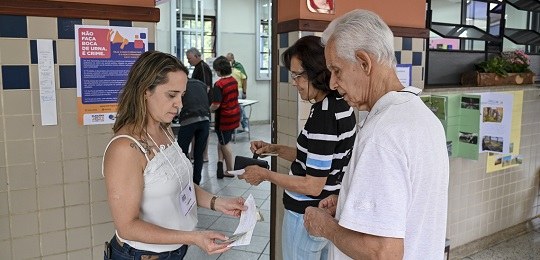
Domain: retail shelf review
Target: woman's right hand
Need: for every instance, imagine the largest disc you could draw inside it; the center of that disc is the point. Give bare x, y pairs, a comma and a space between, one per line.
260, 147
206, 241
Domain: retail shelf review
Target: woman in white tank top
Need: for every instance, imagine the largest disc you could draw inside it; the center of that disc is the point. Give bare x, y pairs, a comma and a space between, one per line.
152, 197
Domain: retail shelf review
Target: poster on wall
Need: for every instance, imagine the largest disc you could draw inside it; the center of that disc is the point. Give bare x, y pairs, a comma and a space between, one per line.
503, 161
321, 6
404, 74
103, 57
495, 122
460, 117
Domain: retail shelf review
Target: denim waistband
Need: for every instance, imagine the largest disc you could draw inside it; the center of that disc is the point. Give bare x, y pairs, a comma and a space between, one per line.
115, 242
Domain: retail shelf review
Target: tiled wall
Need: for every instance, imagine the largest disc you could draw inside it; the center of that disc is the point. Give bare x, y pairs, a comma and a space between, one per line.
480, 204
52, 195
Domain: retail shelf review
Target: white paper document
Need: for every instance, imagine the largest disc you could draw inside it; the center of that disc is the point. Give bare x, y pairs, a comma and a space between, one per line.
237, 172
269, 154
47, 87
495, 122
248, 220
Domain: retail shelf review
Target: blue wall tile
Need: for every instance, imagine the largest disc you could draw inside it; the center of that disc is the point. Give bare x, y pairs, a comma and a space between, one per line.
33, 52
15, 77
66, 27
67, 76
283, 40
406, 44
120, 23
151, 46
13, 26
283, 74
417, 58
398, 56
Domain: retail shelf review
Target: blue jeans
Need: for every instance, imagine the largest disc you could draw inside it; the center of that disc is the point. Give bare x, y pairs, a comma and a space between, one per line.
297, 244
199, 130
126, 252
243, 118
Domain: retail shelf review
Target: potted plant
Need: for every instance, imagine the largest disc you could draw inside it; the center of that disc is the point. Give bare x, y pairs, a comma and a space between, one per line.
510, 68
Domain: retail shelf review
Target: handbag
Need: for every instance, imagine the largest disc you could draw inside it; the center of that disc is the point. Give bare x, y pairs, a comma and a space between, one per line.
241, 162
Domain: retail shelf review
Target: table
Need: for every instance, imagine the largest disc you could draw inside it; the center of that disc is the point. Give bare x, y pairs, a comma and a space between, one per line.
246, 103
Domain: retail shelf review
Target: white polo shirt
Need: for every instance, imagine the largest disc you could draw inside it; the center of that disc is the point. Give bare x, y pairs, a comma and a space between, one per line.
396, 184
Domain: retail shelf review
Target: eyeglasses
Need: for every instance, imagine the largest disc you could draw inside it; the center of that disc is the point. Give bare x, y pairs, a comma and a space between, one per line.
295, 76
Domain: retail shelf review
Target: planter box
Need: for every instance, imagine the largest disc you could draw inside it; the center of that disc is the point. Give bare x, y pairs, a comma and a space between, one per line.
492, 79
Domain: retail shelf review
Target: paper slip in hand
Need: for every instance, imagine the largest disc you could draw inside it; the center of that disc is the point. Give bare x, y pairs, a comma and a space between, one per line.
248, 220
237, 172
268, 154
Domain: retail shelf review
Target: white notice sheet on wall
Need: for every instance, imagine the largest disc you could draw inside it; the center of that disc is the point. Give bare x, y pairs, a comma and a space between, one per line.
404, 74
496, 122
47, 91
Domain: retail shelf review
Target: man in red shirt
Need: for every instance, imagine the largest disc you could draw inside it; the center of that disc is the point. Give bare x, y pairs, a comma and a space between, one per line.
227, 112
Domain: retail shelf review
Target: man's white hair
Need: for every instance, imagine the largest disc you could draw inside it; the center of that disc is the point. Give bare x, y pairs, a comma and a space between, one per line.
361, 30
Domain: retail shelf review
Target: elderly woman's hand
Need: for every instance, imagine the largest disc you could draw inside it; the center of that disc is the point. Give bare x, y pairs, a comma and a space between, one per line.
254, 175
261, 147
258, 146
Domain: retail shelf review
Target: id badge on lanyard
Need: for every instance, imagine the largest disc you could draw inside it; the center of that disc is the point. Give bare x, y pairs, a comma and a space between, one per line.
187, 198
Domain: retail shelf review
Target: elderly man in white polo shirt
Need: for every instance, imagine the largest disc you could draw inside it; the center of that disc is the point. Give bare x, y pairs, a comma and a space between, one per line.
393, 200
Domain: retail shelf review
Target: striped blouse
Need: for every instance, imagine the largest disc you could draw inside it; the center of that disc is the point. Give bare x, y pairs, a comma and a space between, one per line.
323, 149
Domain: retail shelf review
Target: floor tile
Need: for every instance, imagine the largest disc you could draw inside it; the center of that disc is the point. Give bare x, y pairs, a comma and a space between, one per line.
237, 254
526, 246
205, 221
225, 224
196, 253
258, 244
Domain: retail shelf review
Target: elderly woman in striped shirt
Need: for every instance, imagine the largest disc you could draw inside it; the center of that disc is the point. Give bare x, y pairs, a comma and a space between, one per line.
321, 154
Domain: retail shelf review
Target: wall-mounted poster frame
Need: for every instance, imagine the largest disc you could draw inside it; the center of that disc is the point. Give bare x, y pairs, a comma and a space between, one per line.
104, 55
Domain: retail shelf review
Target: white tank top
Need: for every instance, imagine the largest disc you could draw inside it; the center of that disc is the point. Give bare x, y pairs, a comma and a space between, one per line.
165, 176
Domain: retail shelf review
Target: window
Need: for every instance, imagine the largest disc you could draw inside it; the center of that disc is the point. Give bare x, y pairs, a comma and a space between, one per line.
465, 25
490, 26
190, 38
521, 29
264, 39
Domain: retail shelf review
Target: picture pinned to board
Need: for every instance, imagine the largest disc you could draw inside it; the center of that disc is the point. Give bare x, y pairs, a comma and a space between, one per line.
321, 6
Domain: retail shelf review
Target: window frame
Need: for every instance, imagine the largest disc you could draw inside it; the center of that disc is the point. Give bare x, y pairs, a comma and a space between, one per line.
262, 72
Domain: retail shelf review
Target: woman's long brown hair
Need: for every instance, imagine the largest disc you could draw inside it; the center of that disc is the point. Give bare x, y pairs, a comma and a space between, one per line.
149, 71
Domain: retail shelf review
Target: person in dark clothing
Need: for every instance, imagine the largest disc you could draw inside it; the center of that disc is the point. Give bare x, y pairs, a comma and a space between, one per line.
194, 122
202, 71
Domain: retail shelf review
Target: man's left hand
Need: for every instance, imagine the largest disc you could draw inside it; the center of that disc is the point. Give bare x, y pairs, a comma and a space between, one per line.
317, 221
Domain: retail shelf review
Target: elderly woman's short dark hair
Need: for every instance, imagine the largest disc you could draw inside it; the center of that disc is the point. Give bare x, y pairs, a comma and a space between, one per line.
310, 52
